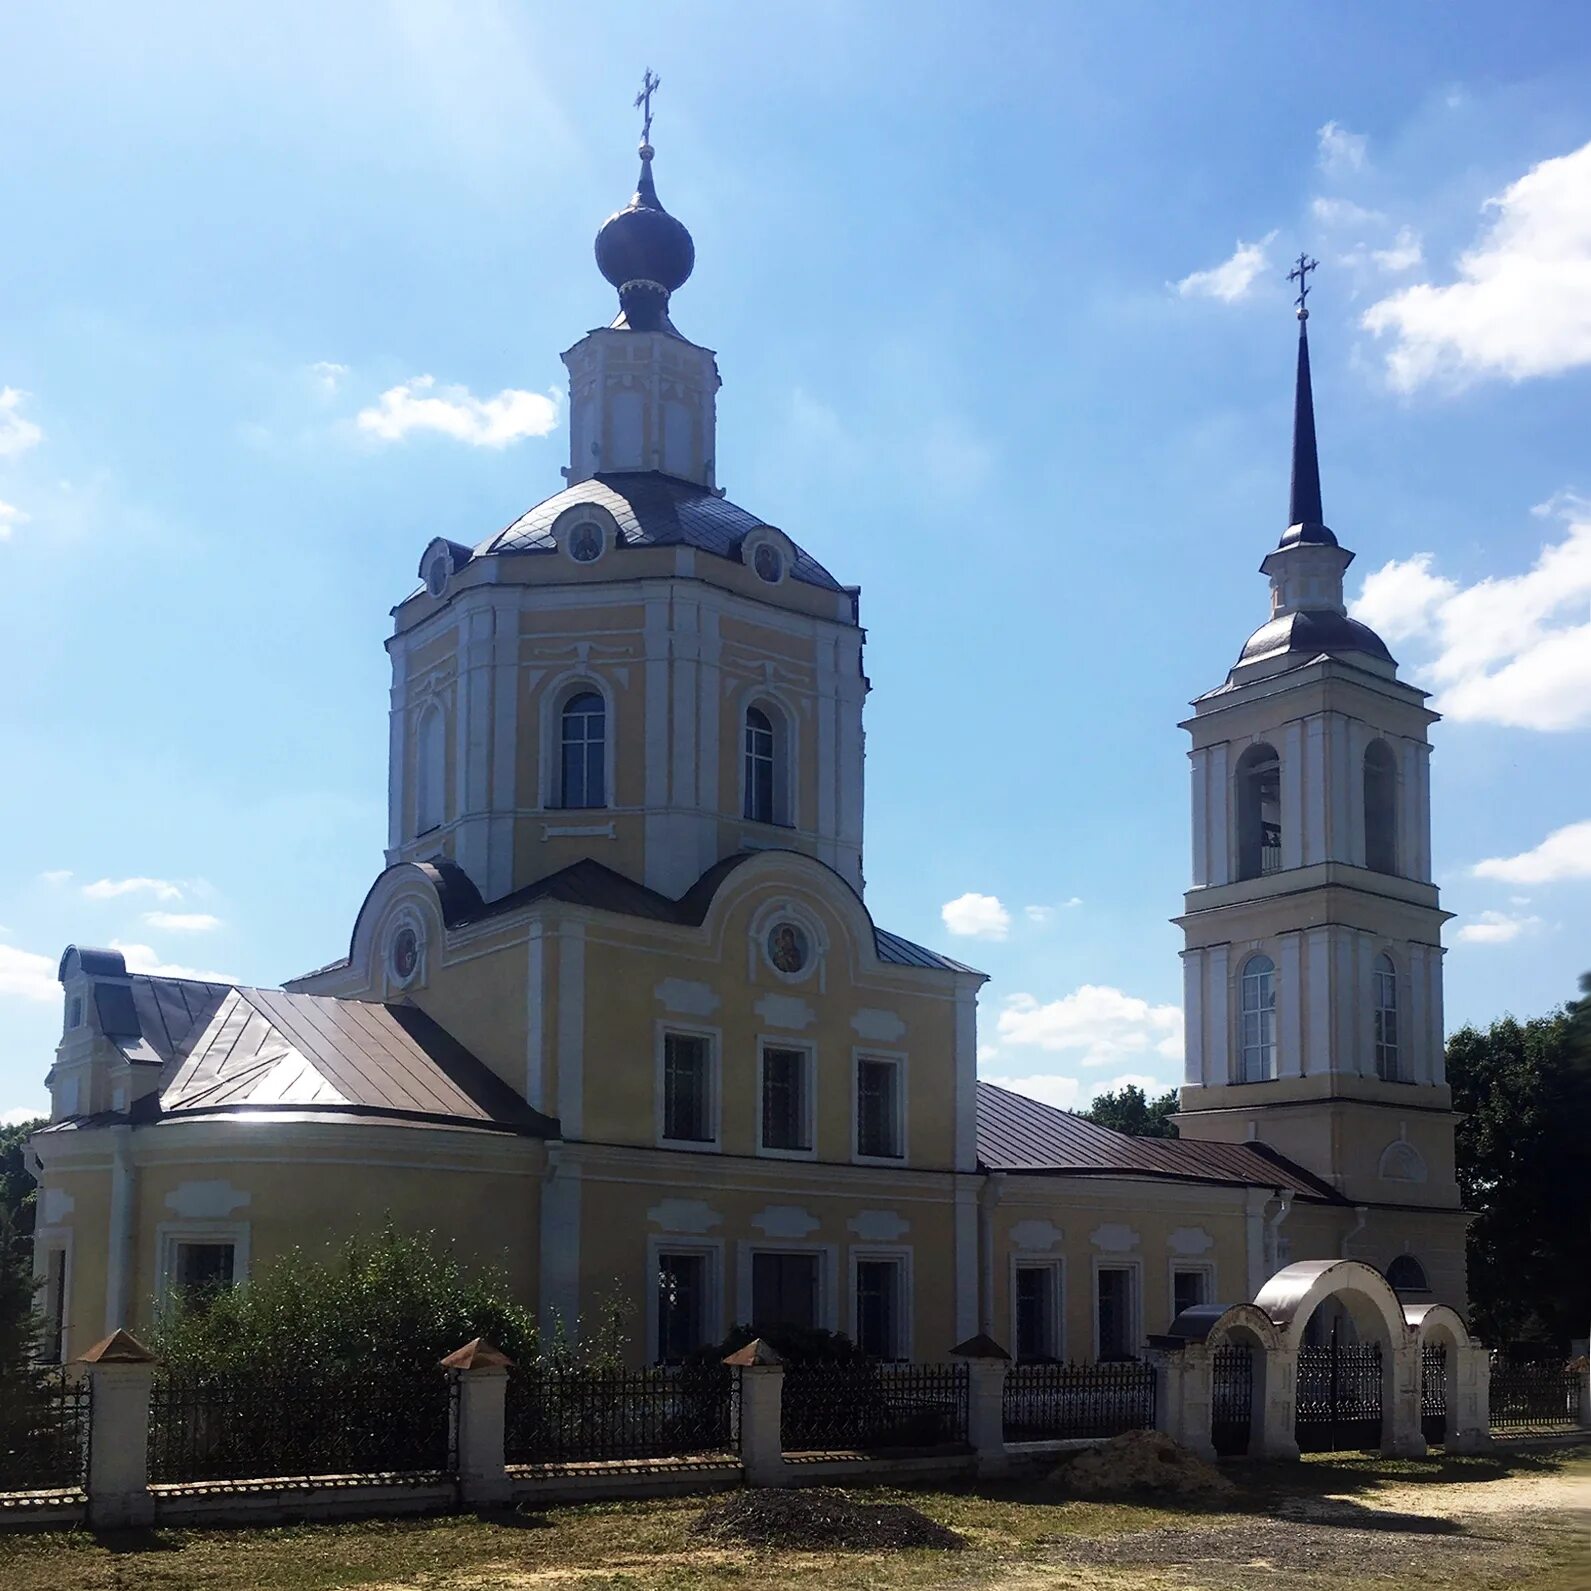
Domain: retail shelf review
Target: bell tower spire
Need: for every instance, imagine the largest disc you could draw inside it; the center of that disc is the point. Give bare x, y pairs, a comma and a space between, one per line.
1305, 519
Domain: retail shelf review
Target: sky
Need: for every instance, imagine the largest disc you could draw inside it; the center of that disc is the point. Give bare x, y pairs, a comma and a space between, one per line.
999, 301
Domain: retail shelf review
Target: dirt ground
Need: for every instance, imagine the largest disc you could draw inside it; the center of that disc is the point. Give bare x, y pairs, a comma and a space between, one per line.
1519, 1520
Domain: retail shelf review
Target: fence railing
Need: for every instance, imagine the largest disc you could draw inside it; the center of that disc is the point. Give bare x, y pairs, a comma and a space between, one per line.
873, 1407
250, 1426
1533, 1397
557, 1416
1231, 1398
1056, 1402
1433, 1394
44, 1432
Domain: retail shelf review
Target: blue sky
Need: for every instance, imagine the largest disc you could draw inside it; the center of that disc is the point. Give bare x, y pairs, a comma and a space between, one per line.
999, 306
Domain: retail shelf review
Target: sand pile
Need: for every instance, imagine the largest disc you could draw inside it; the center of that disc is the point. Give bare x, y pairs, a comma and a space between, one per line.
821, 1519
1140, 1461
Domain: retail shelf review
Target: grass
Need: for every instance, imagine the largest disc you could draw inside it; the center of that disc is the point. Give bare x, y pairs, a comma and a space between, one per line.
1335, 1524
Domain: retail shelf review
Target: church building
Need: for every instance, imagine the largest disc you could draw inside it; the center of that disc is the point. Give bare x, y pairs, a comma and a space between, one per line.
616, 1019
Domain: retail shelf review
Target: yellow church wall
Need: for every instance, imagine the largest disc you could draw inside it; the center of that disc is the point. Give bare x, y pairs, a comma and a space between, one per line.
74, 1215
481, 1000
634, 1205
1075, 1226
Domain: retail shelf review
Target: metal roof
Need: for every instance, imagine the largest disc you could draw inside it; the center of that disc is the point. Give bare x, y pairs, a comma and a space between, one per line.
1016, 1133
651, 510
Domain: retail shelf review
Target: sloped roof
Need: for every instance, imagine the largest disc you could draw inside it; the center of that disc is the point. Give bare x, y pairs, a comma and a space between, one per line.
1016, 1133
222, 1048
651, 510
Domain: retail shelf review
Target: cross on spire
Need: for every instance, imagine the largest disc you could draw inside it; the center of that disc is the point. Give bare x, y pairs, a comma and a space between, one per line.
1299, 273
643, 103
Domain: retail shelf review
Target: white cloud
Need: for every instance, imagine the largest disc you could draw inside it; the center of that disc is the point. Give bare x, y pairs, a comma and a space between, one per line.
1232, 278
1103, 1025
1564, 854
18, 1114
142, 958
24, 975
1522, 303
112, 888
56, 876
1511, 649
1043, 916
1344, 213
976, 916
420, 405
10, 517
1403, 254
328, 376
17, 434
1340, 152
183, 922
1495, 928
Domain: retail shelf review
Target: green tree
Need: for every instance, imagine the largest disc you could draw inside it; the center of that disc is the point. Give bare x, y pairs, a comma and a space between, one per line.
1523, 1090
16, 1181
1131, 1111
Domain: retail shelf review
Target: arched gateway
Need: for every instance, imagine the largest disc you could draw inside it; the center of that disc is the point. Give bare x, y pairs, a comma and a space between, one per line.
1406, 1375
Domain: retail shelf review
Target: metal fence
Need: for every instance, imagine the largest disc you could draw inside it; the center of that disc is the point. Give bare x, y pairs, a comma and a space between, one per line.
1533, 1397
558, 1416
1054, 1402
1433, 1394
44, 1426
873, 1407
1231, 1399
209, 1426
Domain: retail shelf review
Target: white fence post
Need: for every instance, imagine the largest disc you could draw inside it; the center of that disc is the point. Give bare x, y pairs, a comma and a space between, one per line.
1183, 1395
121, 1372
760, 1406
1272, 1434
987, 1366
1584, 1363
1400, 1402
482, 1373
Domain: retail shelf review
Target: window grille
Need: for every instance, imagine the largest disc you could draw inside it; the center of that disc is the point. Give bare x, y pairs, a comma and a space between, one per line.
878, 1109
687, 1085
760, 766
1257, 1061
1384, 980
878, 1308
784, 1100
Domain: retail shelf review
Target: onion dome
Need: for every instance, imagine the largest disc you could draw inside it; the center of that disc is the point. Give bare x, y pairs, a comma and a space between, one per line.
645, 253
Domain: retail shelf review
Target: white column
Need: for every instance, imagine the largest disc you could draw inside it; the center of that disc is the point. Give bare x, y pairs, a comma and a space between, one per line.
1278, 1413
118, 1452
986, 1414
965, 1061
1358, 735
505, 753
1183, 1396
1340, 840
1317, 956
1199, 762
685, 645
1315, 790
119, 1255
1468, 1385
1220, 814
1292, 754
1218, 1035
1416, 1040
1290, 1005
759, 1407
560, 1246
397, 749
968, 1259
1360, 1012
536, 1015
1400, 1401
1435, 1016
1193, 1070
482, 1393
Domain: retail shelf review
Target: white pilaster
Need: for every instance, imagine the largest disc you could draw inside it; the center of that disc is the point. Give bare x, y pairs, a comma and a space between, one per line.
571, 1027
1317, 955
1292, 755
1218, 1051
1315, 821
1193, 1066
1220, 814
1290, 1005
1199, 762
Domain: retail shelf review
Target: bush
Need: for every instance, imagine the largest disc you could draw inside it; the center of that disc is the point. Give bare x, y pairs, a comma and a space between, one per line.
397, 1300
793, 1344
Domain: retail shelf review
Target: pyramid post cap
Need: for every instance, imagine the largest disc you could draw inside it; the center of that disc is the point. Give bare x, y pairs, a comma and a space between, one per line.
120, 1348
756, 1352
477, 1354
980, 1346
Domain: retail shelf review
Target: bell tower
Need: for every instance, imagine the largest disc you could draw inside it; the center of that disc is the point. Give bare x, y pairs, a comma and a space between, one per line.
1313, 959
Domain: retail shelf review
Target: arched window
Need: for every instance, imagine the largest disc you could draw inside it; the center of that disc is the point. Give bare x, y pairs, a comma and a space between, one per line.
1259, 812
583, 775
430, 771
1384, 990
1381, 810
1407, 1275
764, 775
1257, 1058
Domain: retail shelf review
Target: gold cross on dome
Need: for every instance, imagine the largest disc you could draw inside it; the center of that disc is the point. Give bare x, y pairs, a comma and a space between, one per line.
643, 103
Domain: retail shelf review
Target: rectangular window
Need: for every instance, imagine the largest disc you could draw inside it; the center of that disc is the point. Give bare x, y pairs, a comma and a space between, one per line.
1187, 1290
785, 1120
1037, 1310
203, 1267
1115, 1313
784, 1290
687, 1087
681, 1305
879, 1308
878, 1108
